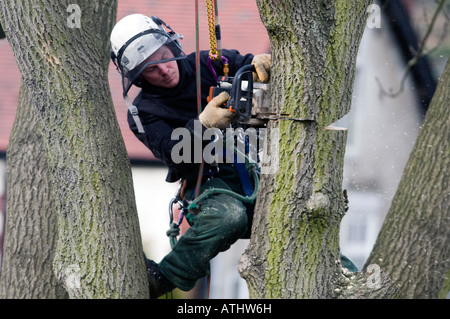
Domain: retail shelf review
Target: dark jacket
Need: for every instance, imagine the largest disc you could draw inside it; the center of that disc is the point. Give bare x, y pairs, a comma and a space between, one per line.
163, 110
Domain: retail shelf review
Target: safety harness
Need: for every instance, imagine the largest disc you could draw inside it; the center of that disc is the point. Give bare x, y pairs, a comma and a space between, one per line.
248, 173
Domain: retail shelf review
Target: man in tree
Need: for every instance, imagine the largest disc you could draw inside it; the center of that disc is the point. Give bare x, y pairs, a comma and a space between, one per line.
151, 58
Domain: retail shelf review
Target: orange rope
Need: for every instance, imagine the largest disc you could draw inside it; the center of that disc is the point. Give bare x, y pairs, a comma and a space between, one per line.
210, 7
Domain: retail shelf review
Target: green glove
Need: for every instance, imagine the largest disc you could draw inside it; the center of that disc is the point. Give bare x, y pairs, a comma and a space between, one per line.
262, 63
215, 116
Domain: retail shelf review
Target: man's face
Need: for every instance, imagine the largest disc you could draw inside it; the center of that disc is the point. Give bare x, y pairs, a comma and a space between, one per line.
165, 75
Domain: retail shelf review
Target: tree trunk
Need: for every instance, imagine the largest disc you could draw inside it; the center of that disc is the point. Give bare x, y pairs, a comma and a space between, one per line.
413, 245
294, 249
62, 51
31, 225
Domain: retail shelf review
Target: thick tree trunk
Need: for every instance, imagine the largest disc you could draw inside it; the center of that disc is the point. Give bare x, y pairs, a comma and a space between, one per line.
294, 249
413, 245
31, 224
63, 56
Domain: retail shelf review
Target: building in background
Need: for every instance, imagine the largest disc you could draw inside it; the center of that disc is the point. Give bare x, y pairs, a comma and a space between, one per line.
381, 133
382, 130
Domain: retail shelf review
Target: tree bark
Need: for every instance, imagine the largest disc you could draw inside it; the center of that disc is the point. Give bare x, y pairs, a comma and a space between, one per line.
294, 249
413, 245
31, 224
64, 61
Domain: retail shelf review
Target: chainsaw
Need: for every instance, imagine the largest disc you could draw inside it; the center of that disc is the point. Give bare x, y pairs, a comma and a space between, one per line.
240, 89
248, 99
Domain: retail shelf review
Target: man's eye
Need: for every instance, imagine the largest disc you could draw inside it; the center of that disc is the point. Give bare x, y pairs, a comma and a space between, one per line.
150, 69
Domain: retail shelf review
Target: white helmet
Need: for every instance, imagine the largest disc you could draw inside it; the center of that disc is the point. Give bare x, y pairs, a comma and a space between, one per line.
135, 38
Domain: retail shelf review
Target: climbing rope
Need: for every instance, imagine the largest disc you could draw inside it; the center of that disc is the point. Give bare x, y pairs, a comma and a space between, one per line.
215, 37
195, 204
174, 228
199, 87
211, 8
251, 168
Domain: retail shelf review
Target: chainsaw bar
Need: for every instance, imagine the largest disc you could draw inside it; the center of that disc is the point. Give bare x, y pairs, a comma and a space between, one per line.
276, 117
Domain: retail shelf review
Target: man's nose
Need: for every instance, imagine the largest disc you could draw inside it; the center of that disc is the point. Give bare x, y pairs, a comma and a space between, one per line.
162, 67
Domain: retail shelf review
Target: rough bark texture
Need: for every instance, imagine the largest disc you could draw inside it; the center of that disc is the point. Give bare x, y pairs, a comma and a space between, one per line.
413, 246
99, 250
294, 249
31, 224
360, 286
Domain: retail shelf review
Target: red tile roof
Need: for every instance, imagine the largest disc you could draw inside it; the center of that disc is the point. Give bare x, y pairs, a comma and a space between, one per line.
241, 29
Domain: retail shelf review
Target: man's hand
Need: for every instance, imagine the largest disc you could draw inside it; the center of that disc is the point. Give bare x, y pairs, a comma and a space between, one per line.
262, 63
215, 116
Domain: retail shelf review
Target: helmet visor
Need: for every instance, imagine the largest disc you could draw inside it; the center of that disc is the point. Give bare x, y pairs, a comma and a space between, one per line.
140, 52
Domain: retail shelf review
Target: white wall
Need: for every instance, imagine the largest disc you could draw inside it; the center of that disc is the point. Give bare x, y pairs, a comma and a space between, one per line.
153, 195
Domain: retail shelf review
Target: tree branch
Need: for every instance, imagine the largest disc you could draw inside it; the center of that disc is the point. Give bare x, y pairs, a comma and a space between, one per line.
420, 53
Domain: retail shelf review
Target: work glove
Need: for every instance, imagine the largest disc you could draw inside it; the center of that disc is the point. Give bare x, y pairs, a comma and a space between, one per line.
262, 63
215, 116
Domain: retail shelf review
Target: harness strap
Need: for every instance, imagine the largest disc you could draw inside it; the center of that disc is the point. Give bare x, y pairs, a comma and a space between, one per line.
134, 113
244, 177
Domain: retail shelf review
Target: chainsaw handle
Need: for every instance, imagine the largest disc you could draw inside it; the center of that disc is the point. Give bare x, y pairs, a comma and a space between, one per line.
241, 100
